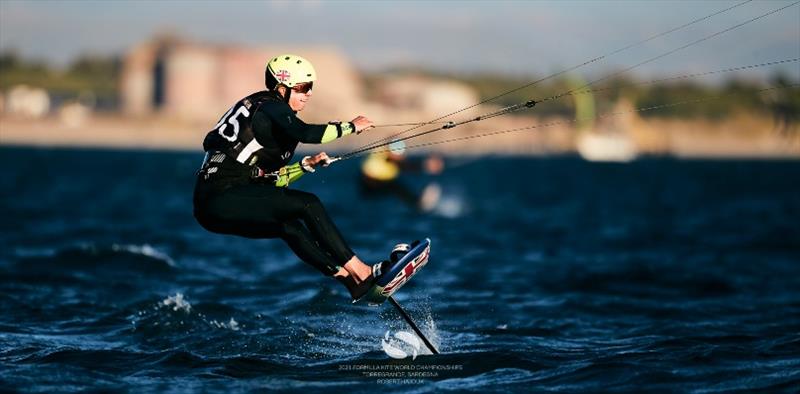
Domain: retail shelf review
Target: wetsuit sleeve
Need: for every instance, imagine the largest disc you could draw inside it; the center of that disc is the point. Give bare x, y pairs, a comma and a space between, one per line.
288, 174
336, 130
303, 132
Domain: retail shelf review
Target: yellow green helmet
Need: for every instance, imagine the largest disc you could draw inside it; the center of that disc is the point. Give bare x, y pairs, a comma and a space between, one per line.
288, 70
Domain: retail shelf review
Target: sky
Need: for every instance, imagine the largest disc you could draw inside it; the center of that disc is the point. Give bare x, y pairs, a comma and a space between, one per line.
513, 38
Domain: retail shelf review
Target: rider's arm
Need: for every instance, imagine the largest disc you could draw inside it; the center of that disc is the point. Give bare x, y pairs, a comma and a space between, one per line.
304, 132
292, 172
288, 174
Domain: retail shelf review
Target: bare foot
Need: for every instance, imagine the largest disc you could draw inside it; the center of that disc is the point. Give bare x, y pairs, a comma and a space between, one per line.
355, 276
358, 270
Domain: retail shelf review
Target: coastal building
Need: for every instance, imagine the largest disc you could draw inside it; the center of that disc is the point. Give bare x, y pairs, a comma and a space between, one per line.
197, 81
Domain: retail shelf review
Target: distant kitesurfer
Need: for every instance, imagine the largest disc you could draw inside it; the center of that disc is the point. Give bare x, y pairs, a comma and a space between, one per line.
242, 186
380, 176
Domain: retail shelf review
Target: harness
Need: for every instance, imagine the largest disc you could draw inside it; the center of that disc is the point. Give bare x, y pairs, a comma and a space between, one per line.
213, 160
233, 138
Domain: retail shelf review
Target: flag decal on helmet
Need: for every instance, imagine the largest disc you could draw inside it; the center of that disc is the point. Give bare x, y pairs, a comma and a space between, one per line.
283, 75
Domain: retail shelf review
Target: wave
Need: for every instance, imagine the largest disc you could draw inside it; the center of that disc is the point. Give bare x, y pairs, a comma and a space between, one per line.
94, 258
175, 313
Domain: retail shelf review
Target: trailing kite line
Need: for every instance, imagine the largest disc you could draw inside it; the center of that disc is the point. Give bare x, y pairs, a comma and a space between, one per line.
531, 103
673, 51
382, 140
633, 84
687, 76
575, 120
405, 124
448, 125
554, 123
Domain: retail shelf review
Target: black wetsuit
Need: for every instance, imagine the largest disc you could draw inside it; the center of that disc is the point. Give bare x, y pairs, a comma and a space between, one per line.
230, 197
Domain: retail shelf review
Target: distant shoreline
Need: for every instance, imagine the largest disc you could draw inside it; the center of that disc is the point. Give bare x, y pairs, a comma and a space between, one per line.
738, 138
304, 150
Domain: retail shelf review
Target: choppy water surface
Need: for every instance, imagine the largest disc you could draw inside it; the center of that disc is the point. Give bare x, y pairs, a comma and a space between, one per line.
546, 275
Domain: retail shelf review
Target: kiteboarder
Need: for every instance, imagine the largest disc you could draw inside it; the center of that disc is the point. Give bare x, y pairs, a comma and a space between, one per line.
242, 186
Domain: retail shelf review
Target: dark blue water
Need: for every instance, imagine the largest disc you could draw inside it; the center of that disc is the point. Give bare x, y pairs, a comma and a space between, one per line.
546, 275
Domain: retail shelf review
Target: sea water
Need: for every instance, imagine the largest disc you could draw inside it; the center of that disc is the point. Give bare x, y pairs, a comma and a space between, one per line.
546, 274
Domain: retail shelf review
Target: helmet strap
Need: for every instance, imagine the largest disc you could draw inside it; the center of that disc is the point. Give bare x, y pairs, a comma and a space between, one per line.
287, 94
